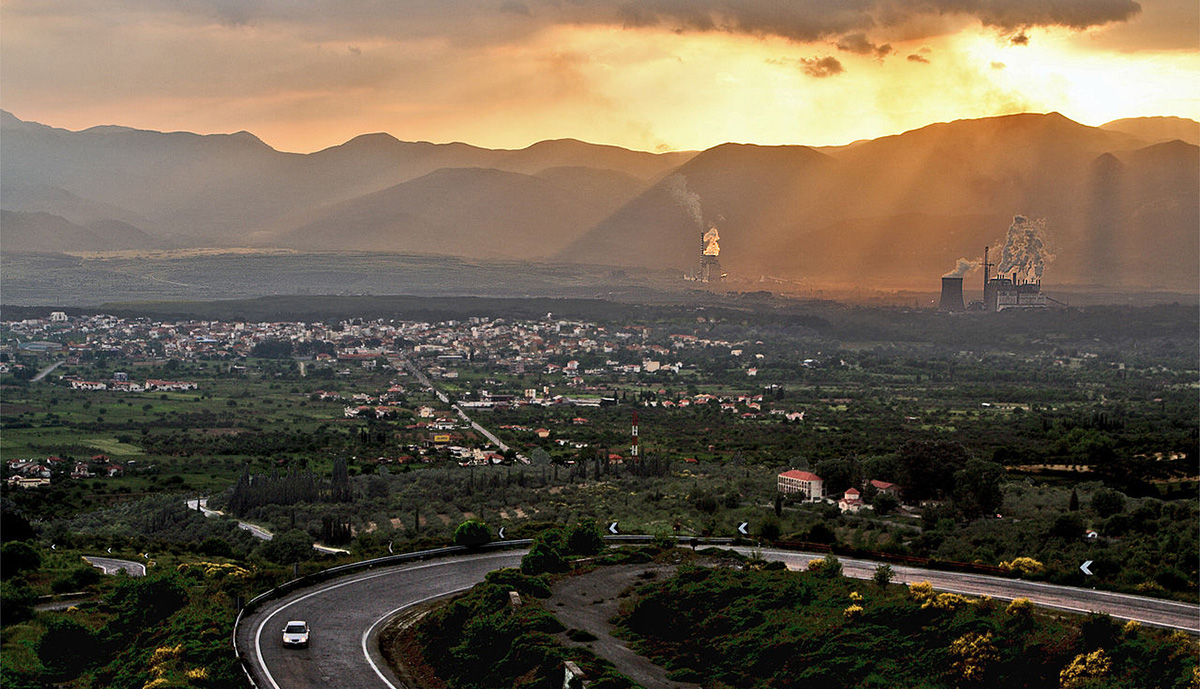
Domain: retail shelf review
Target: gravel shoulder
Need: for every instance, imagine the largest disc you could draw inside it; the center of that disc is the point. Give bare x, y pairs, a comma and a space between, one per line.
588, 601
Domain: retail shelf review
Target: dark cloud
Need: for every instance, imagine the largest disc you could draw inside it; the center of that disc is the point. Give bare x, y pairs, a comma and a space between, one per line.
1020, 38
859, 44
819, 67
918, 58
470, 20
515, 7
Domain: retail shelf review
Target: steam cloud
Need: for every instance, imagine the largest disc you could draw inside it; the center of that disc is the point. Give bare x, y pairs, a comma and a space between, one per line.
677, 187
1024, 250
964, 266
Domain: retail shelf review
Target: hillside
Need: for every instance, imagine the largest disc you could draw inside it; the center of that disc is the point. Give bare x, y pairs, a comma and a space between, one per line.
1120, 202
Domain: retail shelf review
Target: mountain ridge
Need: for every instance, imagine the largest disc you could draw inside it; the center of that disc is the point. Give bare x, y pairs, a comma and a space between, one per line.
1120, 207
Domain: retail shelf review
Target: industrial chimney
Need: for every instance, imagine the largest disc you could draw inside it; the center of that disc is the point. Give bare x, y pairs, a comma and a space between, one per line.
952, 298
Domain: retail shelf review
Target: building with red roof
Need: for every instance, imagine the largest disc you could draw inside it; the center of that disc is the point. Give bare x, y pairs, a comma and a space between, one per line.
805, 483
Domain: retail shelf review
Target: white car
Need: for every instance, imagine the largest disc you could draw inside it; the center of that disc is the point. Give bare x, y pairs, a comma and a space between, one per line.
296, 633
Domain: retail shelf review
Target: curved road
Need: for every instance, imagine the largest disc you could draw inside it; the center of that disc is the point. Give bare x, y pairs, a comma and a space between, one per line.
345, 614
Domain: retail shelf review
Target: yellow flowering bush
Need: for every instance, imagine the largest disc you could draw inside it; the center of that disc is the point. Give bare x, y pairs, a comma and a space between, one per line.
973, 653
852, 612
1024, 565
856, 596
1085, 667
1020, 607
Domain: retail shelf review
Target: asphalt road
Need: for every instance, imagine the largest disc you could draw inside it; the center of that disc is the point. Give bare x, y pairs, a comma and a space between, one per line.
1151, 611
344, 616
112, 565
346, 613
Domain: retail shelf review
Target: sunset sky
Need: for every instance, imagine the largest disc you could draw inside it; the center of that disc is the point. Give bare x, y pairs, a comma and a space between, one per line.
652, 74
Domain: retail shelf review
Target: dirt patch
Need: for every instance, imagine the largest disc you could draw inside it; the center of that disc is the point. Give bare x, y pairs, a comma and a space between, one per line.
404, 654
587, 601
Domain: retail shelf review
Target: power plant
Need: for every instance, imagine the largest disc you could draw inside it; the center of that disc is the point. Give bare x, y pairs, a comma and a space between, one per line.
1018, 282
1008, 292
710, 249
952, 295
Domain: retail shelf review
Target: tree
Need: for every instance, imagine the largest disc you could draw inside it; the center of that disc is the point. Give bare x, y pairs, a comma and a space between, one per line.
1073, 503
977, 488
17, 557
1107, 502
885, 503
289, 548
1067, 526
542, 558
882, 576
928, 468
66, 647
472, 534
583, 538
272, 348
839, 474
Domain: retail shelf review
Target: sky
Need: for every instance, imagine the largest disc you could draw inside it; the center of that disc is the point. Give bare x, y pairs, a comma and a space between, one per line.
653, 75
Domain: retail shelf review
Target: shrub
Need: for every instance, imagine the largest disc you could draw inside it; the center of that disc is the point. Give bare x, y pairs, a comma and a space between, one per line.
17, 557
472, 534
583, 538
543, 558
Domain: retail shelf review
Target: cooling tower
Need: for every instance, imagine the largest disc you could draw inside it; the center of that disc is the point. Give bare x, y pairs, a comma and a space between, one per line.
952, 298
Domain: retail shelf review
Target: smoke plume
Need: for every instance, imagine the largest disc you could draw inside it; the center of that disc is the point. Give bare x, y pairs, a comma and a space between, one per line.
1024, 250
677, 187
711, 245
964, 266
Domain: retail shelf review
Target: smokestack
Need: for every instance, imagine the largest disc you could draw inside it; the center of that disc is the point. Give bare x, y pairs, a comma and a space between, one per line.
952, 295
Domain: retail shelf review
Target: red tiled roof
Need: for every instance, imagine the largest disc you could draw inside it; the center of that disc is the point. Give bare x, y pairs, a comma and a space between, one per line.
802, 475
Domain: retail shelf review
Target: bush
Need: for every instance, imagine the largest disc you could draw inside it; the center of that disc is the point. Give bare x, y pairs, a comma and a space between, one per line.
472, 534
17, 557
16, 602
66, 647
583, 538
77, 579
543, 558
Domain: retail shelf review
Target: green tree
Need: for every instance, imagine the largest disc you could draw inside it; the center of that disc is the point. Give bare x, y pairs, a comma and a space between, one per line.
977, 488
584, 538
885, 503
883, 575
543, 558
288, 548
66, 647
17, 557
1107, 502
928, 468
472, 534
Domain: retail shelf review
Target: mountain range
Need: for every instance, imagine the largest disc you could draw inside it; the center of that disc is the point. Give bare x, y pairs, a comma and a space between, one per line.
1121, 202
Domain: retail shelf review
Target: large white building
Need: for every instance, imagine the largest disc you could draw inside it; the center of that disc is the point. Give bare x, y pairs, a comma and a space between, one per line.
806, 483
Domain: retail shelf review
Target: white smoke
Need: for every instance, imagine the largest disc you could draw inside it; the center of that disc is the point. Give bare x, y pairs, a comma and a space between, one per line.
677, 187
964, 266
1024, 251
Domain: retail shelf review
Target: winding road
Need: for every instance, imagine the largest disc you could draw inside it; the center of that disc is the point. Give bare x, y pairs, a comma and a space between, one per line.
346, 613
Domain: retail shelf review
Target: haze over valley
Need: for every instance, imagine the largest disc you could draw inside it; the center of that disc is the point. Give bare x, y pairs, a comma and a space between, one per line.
1120, 202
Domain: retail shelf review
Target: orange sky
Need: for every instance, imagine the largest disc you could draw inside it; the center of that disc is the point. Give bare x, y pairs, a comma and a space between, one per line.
667, 74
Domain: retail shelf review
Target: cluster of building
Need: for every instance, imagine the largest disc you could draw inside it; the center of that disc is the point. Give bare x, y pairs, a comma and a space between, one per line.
35, 473
806, 485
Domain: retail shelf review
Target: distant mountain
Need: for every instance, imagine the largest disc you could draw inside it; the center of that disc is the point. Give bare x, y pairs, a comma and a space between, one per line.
1156, 129
477, 212
1121, 202
52, 233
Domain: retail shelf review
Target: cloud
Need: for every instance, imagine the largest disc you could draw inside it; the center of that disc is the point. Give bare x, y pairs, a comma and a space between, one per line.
1020, 38
472, 21
918, 58
859, 44
821, 67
